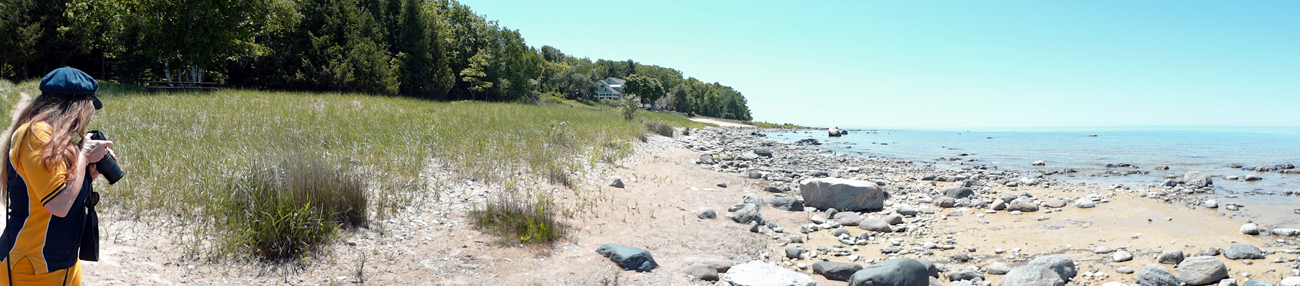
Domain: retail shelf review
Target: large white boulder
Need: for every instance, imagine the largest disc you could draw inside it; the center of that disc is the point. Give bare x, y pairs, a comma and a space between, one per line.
842, 194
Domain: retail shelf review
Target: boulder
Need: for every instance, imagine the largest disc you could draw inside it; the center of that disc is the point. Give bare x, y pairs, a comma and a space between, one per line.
1290, 281
964, 274
945, 202
1286, 231
787, 204
1254, 282
1250, 229
629, 258
930, 268
706, 159
1155, 275
1063, 265
875, 224
1196, 179
838, 271
722, 265
905, 209
763, 152
1121, 256
758, 273
744, 213
1023, 204
1084, 203
894, 219
793, 252
1171, 257
1054, 203
706, 213
1032, 275
848, 218
894, 272
958, 193
998, 268
701, 271
1201, 270
842, 194
1243, 251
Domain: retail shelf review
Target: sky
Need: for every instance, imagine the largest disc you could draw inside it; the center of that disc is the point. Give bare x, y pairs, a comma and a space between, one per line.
953, 64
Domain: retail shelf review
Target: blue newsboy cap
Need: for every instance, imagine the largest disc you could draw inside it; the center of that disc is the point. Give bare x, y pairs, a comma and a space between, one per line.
71, 81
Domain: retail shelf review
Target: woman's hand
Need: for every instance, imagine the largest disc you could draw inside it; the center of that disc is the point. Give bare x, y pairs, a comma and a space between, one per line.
94, 150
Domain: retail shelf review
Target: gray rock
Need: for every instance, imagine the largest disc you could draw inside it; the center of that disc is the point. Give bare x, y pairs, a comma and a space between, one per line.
964, 274
787, 204
706, 213
1243, 251
1032, 275
817, 219
1023, 204
998, 268
1250, 229
1155, 275
722, 184
998, 205
1054, 203
1290, 281
1286, 231
707, 159
758, 273
1124, 270
894, 272
930, 268
1228, 282
875, 224
616, 182
960, 257
1201, 270
1213, 204
629, 258
1171, 257
1103, 250
793, 252
905, 209
945, 202
744, 214
842, 194
701, 271
848, 218
1196, 179
1084, 203
722, 265
1210, 251
894, 219
1254, 282
1063, 265
1121, 256
837, 271
958, 193
794, 238
772, 189
830, 213
763, 152
837, 232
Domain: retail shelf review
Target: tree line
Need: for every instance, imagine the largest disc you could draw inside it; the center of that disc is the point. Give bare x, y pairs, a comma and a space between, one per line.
433, 49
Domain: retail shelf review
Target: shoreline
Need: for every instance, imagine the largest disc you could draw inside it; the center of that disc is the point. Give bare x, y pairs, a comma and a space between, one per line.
1120, 222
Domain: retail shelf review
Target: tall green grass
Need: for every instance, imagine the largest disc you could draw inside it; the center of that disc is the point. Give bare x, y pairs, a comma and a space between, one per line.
191, 156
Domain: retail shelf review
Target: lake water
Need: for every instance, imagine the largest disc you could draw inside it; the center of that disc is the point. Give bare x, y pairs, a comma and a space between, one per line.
1213, 150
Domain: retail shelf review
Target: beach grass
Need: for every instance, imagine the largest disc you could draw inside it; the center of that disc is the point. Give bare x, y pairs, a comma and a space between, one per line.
185, 153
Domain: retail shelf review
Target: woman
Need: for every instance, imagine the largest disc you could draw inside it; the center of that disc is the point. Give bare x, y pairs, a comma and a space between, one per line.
47, 178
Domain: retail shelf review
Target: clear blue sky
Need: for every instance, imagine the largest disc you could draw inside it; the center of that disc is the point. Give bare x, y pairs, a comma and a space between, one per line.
903, 64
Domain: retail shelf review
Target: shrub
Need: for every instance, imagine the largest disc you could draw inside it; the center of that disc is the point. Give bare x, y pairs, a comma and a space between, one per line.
659, 128
528, 219
284, 209
629, 106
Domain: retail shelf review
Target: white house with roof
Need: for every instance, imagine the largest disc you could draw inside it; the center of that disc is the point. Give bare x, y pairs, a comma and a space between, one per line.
610, 88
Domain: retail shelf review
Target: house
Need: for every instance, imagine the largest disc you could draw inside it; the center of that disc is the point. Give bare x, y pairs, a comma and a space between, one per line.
610, 88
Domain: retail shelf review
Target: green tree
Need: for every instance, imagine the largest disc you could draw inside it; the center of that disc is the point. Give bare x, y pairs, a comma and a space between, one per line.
476, 73
648, 89
424, 71
336, 46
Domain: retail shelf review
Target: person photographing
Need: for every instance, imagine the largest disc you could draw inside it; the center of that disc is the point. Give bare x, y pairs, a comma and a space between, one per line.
50, 164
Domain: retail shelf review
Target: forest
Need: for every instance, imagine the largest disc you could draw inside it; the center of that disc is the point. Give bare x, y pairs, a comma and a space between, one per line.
429, 49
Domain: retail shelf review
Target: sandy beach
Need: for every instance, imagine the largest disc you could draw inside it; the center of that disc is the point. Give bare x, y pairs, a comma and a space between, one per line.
432, 243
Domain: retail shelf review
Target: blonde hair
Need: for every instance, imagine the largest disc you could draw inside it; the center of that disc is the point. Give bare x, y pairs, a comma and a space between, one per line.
67, 114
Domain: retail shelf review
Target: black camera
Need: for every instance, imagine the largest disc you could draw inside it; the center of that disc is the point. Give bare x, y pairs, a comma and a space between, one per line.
107, 166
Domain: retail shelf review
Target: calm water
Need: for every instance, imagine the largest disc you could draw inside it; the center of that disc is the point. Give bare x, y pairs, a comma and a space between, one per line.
1208, 149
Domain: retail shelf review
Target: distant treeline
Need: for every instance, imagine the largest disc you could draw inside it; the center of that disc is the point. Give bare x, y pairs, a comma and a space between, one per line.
434, 49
